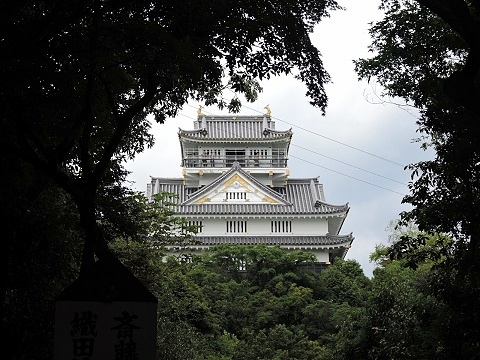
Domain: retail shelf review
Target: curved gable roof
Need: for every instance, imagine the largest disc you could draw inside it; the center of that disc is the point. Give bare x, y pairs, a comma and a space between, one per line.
241, 128
236, 169
298, 192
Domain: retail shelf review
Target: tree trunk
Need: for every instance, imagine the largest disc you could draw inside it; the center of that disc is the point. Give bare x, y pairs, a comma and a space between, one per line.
86, 208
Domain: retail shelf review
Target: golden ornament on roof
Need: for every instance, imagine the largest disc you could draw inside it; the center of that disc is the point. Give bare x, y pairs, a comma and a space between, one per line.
269, 112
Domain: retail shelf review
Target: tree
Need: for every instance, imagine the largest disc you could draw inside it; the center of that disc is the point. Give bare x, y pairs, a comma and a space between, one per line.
463, 18
345, 282
405, 318
281, 343
78, 79
340, 317
421, 52
213, 311
427, 52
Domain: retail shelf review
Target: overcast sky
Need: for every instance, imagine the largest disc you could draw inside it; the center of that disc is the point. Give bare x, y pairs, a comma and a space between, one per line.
358, 150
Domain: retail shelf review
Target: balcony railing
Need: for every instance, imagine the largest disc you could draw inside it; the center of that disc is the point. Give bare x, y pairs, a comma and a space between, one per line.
226, 162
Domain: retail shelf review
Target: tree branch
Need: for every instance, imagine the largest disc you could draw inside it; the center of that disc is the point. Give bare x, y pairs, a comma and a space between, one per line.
41, 163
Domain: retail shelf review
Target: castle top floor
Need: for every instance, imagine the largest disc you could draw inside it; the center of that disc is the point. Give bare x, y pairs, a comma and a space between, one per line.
216, 142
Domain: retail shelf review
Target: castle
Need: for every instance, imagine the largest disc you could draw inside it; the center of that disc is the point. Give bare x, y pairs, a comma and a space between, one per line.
236, 188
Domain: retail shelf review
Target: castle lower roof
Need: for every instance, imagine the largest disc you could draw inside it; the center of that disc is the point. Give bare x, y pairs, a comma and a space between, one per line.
337, 244
326, 240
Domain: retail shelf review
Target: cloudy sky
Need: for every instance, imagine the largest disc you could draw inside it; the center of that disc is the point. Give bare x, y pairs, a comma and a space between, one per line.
358, 150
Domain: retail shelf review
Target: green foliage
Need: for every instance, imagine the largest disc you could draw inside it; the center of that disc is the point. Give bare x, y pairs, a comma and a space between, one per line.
236, 302
345, 282
412, 246
280, 343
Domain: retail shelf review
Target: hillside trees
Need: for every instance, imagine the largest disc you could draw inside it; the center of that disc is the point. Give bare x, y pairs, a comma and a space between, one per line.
79, 78
255, 302
407, 319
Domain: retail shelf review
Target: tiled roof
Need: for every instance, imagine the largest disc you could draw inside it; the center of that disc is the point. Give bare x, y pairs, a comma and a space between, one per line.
234, 128
305, 195
276, 240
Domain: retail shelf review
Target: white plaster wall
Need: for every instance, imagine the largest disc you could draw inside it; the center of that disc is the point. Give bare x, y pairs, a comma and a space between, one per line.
321, 255
258, 226
214, 227
261, 226
310, 226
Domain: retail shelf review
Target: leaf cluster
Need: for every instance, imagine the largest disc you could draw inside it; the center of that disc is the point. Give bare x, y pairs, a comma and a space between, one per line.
421, 296
412, 50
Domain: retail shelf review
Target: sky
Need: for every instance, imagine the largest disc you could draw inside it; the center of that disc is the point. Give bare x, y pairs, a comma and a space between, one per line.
358, 150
